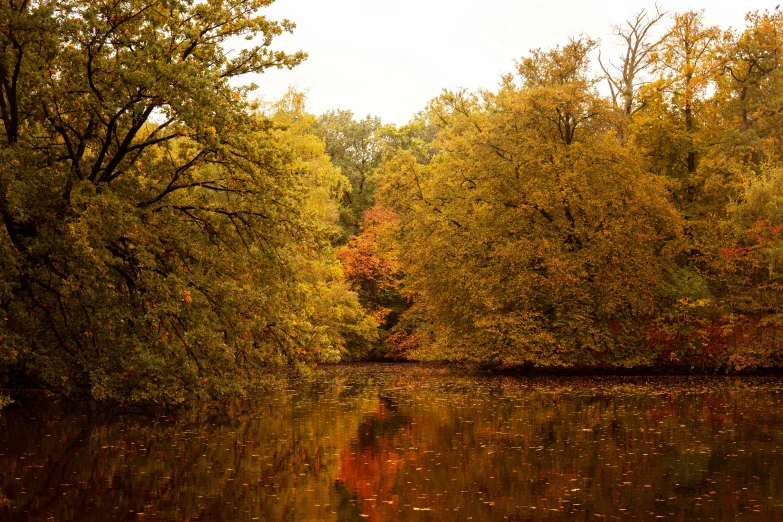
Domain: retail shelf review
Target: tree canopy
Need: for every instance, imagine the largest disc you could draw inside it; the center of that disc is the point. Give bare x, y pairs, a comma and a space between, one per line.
165, 236
547, 225
161, 235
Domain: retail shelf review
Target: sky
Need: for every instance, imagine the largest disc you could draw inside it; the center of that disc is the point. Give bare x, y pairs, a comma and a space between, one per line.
389, 58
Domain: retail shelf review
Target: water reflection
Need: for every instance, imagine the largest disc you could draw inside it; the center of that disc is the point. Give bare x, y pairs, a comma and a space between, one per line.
411, 443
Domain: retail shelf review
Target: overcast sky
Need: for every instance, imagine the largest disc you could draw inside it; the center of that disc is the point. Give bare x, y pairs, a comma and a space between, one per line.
389, 58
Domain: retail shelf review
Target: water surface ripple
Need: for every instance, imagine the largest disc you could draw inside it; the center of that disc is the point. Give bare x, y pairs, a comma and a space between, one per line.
407, 442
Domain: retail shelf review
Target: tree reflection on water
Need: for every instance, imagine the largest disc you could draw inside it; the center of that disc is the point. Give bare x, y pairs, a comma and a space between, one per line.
405, 442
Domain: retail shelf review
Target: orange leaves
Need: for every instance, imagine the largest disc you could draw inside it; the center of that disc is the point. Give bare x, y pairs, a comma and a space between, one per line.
402, 344
365, 258
525, 244
732, 252
380, 314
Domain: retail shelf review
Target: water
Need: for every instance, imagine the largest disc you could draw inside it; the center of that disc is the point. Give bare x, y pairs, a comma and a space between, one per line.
404, 442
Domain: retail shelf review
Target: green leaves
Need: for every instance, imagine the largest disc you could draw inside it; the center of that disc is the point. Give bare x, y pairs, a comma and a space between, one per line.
162, 240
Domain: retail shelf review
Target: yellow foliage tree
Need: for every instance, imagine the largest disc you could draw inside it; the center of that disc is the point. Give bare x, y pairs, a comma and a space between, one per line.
533, 237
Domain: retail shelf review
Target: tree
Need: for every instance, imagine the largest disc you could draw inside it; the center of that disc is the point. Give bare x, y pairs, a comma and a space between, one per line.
343, 329
532, 237
674, 127
750, 91
639, 56
371, 265
561, 90
353, 147
154, 226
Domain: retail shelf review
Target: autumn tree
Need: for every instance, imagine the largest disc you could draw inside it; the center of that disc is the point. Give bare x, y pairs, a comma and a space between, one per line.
742, 190
154, 224
674, 127
753, 257
749, 94
371, 257
332, 306
373, 271
532, 237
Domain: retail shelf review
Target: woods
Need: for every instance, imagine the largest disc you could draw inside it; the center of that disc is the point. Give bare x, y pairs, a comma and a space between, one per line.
582, 217
165, 235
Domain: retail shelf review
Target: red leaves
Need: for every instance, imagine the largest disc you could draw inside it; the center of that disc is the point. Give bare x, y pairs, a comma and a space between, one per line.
732, 252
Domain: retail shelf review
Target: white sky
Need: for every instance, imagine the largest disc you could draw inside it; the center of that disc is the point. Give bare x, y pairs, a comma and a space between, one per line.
389, 58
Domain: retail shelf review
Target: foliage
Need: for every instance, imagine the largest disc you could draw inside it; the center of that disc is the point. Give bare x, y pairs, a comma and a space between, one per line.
533, 237
549, 226
371, 266
160, 239
333, 308
353, 147
165, 237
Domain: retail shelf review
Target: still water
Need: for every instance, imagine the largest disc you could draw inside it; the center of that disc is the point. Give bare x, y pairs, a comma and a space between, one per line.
406, 442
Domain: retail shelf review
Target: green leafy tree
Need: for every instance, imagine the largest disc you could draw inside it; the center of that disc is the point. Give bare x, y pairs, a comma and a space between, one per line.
154, 226
354, 148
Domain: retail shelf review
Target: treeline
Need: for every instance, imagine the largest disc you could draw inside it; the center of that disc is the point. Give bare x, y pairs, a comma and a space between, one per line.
166, 237
546, 225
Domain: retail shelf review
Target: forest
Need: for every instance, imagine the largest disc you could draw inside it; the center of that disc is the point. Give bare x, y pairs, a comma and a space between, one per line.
166, 235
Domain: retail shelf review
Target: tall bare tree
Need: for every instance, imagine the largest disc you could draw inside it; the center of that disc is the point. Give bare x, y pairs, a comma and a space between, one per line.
640, 47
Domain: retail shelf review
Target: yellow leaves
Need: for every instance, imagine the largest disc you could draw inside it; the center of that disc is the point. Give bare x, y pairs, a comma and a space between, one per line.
516, 233
688, 59
206, 128
694, 303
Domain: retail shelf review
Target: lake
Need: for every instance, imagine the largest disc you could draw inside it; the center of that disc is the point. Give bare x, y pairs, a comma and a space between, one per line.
408, 442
